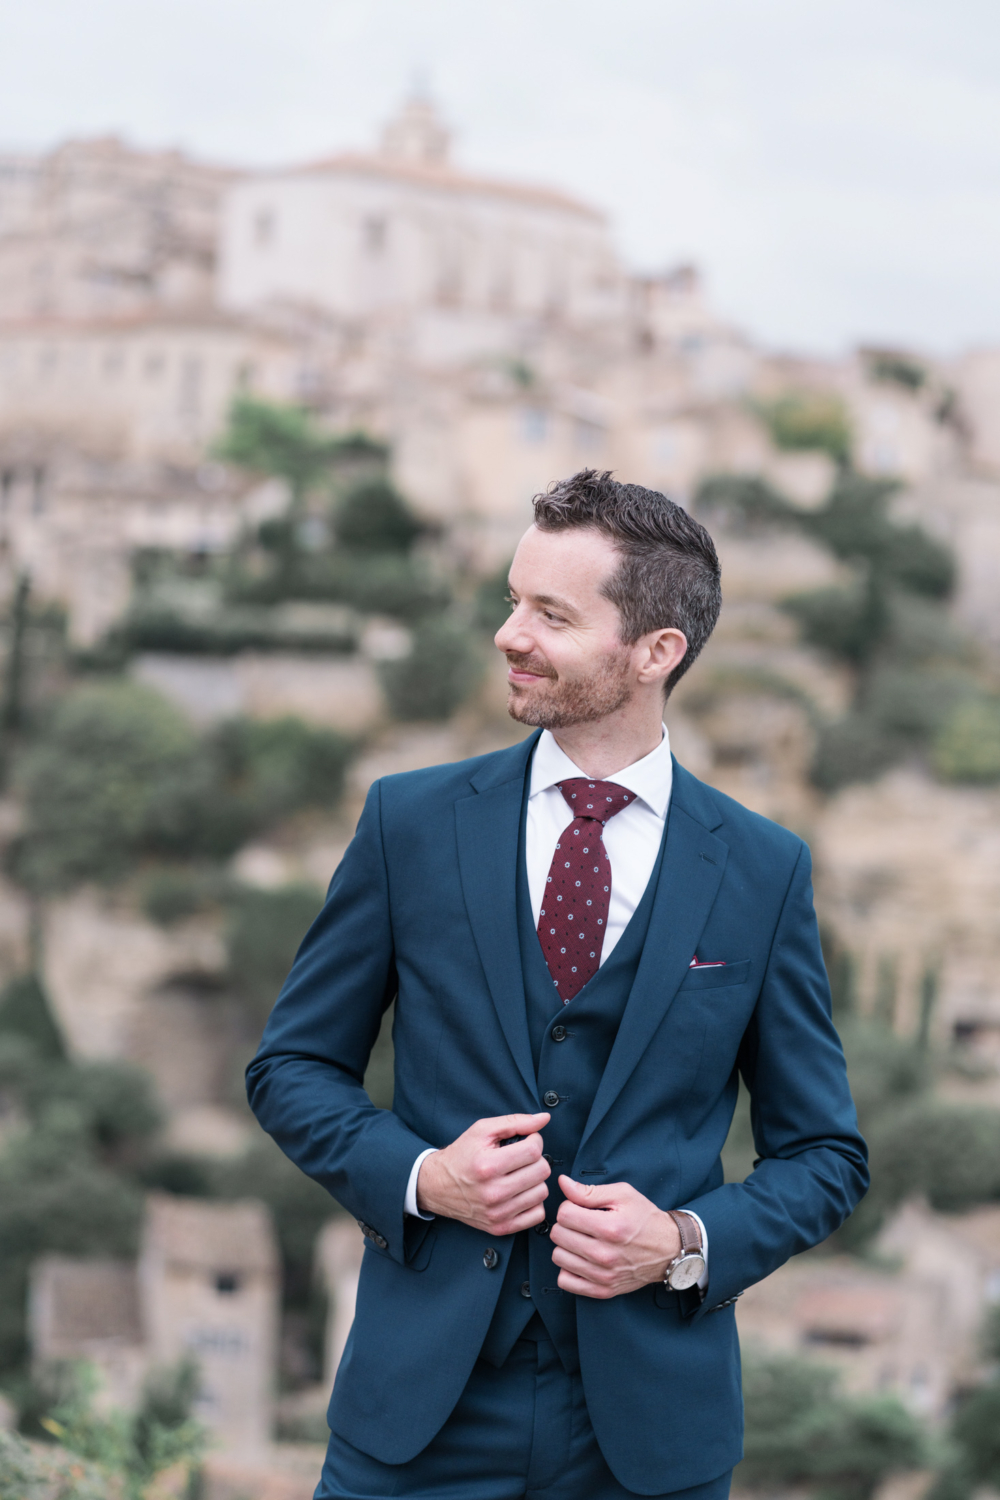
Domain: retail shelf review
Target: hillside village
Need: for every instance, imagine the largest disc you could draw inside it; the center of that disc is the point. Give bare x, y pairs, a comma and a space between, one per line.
267, 441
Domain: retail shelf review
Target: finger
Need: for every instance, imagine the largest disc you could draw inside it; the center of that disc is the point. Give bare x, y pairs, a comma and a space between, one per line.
503, 1213
494, 1195
568, 1282
509, 1184
592, 1195
597, 1224
495, 1162
585, 1246
580, 1265
502, 1127
526, 1220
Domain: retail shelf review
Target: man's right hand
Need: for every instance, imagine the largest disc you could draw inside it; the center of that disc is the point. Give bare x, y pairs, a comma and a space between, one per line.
486, 1184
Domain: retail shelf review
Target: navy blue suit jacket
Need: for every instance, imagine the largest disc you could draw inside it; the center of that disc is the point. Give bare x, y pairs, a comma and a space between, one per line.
422, 909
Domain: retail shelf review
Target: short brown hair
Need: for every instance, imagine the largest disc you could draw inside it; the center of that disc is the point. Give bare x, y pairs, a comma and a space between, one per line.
669, 575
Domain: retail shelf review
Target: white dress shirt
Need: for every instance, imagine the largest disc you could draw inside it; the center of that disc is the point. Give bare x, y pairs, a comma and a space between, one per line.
632, 839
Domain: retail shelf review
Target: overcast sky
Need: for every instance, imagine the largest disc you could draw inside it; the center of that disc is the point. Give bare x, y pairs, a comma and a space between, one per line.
833, 165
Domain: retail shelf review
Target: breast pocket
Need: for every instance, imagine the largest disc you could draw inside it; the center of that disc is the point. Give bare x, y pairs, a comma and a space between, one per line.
718, 977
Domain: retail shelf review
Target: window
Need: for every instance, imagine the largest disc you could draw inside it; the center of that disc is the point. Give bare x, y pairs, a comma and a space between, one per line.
189, 395
264, 226
534, 424
374, 232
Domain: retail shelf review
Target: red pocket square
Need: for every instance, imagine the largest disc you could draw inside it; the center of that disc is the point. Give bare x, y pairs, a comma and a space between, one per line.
707, 963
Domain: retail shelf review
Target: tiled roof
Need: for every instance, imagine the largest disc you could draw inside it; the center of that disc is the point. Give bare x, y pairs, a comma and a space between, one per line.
198, 1235
442, 177
88, 1300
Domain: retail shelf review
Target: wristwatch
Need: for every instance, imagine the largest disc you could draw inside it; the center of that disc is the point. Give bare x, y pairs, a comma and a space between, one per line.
687, 1268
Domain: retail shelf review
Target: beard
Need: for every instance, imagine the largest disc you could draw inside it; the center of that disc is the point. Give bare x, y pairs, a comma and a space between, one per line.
560, 702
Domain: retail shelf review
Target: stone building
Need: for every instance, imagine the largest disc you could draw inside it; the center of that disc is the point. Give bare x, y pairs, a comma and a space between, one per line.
911, 1327
403, 230
97, 229
205, 1287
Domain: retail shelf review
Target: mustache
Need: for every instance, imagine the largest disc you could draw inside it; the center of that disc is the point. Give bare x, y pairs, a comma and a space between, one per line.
529, 664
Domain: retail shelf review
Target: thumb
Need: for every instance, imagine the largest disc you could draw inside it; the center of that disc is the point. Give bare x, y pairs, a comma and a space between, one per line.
590, 1195
503, 1127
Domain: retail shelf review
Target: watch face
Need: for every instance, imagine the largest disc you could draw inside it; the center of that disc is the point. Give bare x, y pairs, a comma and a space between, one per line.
686, 1272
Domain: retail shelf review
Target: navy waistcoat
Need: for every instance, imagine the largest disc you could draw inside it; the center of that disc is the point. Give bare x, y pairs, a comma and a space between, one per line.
570, 1047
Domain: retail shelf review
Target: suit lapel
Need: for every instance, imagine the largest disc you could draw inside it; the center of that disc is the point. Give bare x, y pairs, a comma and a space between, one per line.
488, 825
690, 874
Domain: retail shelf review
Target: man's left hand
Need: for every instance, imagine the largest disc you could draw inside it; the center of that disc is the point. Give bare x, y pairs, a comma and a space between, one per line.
610, 1240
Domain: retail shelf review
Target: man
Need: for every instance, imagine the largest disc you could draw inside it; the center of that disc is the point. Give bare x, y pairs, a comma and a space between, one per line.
586, 947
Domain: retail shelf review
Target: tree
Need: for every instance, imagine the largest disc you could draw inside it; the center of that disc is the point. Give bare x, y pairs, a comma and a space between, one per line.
886, 625
809, 420
436, 677
129, 1449
280, 440
373, 517
264, 932
95, 783
800, 1430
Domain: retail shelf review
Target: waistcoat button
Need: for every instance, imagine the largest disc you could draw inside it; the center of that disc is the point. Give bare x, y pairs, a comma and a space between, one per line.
558, 1033
525, 1288
550, 1098
490, 1258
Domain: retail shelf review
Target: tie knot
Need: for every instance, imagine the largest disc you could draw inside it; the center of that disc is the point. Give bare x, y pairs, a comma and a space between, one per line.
595, 799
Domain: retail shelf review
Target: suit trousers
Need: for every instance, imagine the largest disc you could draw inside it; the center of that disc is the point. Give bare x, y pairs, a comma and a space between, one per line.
521, 1432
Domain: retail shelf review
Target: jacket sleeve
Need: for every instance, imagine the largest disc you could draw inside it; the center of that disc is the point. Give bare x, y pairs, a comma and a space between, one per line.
305, 1083
811, 1167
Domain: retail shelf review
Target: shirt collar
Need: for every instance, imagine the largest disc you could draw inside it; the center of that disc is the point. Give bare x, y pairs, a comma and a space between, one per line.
649, 778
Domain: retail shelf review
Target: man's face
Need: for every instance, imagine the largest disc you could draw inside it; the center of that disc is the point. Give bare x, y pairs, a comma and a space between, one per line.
567, 664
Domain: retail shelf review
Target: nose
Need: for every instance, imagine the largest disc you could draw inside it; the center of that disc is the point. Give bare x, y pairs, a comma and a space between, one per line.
514, 635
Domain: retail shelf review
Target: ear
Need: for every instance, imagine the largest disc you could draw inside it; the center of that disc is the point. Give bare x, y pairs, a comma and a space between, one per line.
662, 651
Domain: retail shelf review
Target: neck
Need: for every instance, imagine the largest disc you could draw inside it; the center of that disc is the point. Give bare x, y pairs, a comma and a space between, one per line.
609, 745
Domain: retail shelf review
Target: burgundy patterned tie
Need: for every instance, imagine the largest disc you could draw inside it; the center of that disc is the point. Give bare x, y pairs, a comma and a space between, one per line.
574, 914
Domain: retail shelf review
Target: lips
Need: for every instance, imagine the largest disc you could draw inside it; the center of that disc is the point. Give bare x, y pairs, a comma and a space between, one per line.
527, 670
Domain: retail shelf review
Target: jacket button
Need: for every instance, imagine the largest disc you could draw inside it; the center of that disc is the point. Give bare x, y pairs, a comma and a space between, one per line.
543, 1227
525, 1288
380, 1241
558, 1033
550, 1098
490, 1258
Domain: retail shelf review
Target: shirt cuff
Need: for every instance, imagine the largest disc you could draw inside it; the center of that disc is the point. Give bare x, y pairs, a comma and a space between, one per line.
703, 1278
410, 1201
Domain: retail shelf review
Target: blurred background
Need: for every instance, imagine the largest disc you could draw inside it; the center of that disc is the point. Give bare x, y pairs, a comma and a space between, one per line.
299, 306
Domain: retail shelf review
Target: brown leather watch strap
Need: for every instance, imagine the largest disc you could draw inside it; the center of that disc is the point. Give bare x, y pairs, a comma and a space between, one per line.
689, 1232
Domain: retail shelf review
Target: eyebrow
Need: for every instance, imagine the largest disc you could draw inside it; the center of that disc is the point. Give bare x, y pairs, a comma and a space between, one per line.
563, 605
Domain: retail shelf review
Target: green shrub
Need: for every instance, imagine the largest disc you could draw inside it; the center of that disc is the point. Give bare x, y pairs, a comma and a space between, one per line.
264, 932
436, 677
897, 369
752, 501
25, 1011
967, 749
800, 1430
855, 748
810, 420
910, 702
91, 783
845, 622
492, 602
948, 1152
373, 517
284, 764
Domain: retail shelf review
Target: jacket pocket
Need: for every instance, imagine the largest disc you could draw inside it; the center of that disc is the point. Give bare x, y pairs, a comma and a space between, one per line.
717, 978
